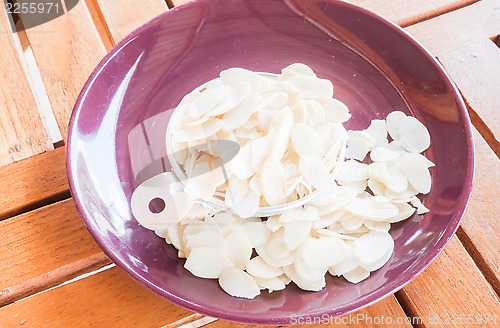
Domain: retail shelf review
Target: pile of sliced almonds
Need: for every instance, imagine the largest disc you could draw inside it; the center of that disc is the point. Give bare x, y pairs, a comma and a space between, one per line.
344, 232
289, 128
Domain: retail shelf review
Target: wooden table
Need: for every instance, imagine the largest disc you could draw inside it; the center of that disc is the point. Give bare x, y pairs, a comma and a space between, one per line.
52, 274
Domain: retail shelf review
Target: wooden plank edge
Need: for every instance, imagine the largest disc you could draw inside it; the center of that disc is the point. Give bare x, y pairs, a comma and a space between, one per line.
52, 278
480, 125
479, 260
100, 24
45, 201
434, 13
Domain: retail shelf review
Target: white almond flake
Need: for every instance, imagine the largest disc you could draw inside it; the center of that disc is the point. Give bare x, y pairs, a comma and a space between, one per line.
421, 209
304, 284
322, 252
273, 182
316, 173
207, 262
257, 233
307, 272
348, 264
394, 120
312, 87
352, 223
295, 69
405, 211
208, 100
353, 171
296, 232
271, 284
357, 148
233, 76
357, 275
378, 130
238, 283
206, 239
377, 225
273, 223
283, 126
239, 115
257, 267
239, 249
203, 131
373, 209
308, 213
335, 110
241, 164
306, 141
383, 154
261, 150
248, 205
236, 190
264, 119
377, 187
416, 171
372, 247
414, 135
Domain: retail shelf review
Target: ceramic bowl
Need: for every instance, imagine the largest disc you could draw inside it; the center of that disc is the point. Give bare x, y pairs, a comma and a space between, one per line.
117, 135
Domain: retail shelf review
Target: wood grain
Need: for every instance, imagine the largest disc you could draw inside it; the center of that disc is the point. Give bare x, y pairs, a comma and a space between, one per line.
33, 182
66, 50
451, 285
124, 16
22, 130
368, 317
39, 242
106, 299
408, 12
458, 28
475, 69
480, 225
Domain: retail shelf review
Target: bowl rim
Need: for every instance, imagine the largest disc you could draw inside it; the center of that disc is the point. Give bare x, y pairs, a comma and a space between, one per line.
383, 291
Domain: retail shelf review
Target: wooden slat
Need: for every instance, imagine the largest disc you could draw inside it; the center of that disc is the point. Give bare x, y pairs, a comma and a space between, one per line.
408, 12
106, 299
451, 285
22, 130
459, 28
475, 69
480, 226
38, 243
124, 16
66, 50
32, 182
388, 309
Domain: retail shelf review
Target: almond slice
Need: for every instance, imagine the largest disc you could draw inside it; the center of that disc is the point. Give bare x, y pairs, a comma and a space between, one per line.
257, 267
238, 283
207, 262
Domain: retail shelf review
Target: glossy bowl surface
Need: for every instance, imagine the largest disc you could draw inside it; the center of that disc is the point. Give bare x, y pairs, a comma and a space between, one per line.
117, 135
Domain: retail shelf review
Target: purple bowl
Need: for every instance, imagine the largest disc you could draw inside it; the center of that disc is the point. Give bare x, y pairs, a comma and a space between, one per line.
117, 135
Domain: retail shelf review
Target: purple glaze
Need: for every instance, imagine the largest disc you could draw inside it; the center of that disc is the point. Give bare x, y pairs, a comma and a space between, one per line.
116, 130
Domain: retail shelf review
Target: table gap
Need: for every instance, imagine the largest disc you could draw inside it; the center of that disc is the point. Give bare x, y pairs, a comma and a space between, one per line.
170, 4
100, 24
496, 40
54, 198
409, 311
56, 278
479, 260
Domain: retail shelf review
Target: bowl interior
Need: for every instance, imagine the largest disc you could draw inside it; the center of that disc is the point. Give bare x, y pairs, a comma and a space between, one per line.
117, 134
